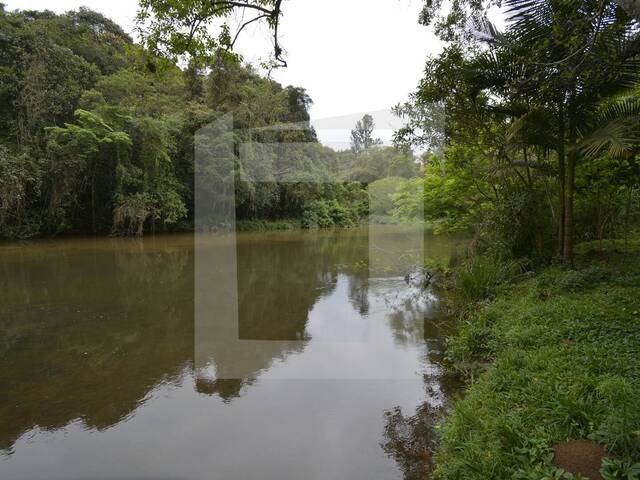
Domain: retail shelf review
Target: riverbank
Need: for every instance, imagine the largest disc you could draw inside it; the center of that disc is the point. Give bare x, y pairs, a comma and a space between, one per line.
295, 224
554, 357
267, 225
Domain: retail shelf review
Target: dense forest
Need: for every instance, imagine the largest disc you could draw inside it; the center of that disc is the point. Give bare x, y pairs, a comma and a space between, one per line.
528, 145
97, 136
532, 130
542, 127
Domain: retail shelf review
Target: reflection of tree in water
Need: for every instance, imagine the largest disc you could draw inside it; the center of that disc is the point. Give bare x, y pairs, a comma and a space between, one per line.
120, 323
411, 439
413, 319
359, 293
408, 306
225, 388
281, 281
89, 331
407, 326
277, 286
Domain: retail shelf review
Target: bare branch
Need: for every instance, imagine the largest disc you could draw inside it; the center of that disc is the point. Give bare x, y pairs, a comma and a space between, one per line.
244, 25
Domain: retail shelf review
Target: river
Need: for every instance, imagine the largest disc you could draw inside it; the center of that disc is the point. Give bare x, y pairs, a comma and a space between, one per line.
270, 356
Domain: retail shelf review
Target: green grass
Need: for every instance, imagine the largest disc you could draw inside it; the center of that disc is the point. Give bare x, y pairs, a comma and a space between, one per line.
555, 357
479, 277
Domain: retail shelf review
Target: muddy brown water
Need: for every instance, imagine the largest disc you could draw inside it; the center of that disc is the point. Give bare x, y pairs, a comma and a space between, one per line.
112, 368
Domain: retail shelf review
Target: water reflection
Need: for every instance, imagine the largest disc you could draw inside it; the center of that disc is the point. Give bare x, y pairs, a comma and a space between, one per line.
89, 329
99, 377
410, 436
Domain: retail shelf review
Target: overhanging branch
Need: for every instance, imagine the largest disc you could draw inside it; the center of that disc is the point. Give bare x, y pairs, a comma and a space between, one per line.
272, 15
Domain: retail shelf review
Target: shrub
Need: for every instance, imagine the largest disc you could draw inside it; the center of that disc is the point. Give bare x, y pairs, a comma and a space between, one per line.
329, 213
478, 278
265, 225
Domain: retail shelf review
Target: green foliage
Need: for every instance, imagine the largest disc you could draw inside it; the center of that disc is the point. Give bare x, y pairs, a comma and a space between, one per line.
453, 201
329, 213
266, 226
573, 280
529, 111
112, 126
616, 469
375, 163
547, 372
82, 153
608, 204
177, 27
479, 277
408, 200
402, 165
381, 195
99, 134
21, 179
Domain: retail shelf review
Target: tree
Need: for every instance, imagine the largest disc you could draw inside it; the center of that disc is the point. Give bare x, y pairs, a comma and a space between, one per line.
21, 179
83, 156
97, 133
376, 163
182, 27
546, 80
52, 82
362, 135
380, 195
579, 52
402, 164
424, 125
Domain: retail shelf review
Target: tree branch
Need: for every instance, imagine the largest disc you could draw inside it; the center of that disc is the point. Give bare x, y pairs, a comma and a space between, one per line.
264, 15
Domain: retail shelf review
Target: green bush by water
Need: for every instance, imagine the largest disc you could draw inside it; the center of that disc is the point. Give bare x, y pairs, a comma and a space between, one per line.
266, 225
329, 213
478, 278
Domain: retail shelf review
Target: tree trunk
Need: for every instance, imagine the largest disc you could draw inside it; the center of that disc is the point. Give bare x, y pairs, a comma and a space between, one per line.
627, 218
561, 204
93, 202
561, 185
567, 256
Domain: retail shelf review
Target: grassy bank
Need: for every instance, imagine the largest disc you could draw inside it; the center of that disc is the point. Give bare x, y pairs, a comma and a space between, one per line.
555, 356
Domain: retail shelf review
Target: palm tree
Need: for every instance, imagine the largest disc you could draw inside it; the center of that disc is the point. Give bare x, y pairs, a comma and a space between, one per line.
565, 67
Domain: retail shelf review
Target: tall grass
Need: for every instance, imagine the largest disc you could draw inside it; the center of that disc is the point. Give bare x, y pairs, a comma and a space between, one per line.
478, 278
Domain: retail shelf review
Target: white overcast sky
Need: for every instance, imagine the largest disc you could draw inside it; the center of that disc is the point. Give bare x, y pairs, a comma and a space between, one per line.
352, 56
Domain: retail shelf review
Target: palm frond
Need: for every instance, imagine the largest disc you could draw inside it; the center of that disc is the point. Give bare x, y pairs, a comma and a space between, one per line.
627, 106
532, 19
484, 30
616, 130
614, 139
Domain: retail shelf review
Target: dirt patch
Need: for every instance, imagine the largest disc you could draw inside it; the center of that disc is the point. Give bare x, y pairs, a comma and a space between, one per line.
580, 456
